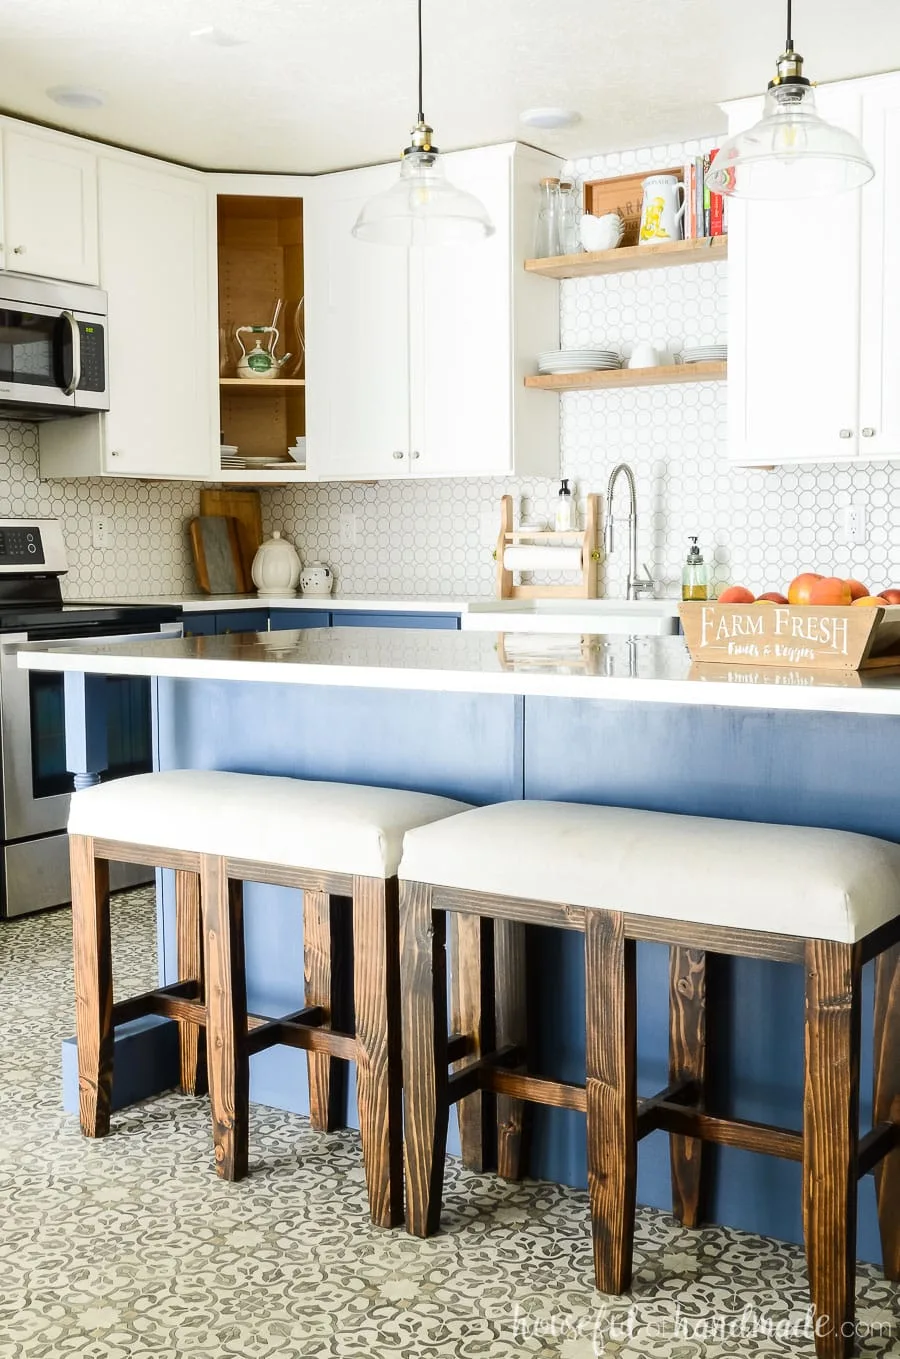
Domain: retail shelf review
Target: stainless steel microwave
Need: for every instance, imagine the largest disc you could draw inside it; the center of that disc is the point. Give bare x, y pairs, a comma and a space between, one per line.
53, 349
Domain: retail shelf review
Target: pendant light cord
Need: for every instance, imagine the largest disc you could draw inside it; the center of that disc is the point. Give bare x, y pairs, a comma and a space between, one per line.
421, 101
790, 35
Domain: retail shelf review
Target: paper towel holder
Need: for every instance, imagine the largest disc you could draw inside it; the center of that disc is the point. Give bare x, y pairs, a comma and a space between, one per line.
587, 538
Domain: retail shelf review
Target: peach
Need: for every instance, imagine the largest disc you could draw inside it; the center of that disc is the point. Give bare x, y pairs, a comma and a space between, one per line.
868, 601
890, 596
773, 597
800, 586
830, 590
736, 594
858, 590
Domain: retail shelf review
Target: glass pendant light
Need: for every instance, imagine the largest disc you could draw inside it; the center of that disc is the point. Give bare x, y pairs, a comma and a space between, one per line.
791, 152
423, 208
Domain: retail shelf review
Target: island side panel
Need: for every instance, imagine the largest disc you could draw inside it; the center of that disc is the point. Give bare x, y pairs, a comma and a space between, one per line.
818, 769
460, 745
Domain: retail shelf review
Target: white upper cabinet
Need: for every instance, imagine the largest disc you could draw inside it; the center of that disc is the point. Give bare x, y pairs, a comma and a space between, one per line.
416, 359
154, 245
814, 298
357, 336
794, 309
49, 205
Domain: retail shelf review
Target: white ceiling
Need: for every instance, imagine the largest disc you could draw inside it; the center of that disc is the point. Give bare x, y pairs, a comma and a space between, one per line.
324, 84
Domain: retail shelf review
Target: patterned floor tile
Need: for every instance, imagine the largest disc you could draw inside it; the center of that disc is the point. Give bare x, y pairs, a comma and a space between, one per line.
130, 1248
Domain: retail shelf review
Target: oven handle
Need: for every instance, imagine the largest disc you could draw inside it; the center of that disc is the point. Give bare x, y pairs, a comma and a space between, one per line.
75, 331
164, 631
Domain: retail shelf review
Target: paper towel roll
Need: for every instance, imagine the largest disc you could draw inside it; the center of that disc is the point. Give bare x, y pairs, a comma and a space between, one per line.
542, 559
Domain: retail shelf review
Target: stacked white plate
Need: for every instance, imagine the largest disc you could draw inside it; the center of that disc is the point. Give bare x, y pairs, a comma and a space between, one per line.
578, 360
705, 353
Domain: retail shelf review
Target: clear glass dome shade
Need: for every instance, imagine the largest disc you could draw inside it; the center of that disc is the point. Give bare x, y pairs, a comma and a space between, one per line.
423, 208
792, 152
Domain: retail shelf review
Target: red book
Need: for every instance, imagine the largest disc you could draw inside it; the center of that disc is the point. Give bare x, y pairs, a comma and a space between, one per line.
716, 206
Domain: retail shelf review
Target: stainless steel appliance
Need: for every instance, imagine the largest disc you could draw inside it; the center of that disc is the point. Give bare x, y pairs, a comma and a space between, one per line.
34, 873
53, 349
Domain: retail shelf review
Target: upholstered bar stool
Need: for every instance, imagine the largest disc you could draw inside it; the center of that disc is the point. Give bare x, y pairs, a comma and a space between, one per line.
829, 900
218, 830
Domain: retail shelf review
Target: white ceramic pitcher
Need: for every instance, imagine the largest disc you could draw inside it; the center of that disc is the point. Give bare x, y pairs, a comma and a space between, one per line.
662, 212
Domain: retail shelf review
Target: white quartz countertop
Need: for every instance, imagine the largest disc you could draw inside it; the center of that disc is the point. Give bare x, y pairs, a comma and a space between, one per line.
387, 603
643, 669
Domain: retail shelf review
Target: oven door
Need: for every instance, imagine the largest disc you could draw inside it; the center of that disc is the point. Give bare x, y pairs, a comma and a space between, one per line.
36, 783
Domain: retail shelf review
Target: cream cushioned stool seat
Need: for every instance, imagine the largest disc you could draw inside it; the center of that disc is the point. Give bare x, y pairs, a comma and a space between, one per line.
340, 845
333, 827
817, 884
827, 900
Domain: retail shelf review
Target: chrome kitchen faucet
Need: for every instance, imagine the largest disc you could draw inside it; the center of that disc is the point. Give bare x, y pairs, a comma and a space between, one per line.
637, 585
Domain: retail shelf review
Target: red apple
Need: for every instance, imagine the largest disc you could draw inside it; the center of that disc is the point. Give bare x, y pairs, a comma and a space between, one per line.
773, 597
890, 596
857, 589
736, 594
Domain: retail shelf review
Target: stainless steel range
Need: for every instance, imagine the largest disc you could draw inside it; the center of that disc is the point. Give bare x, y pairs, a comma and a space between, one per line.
34, 873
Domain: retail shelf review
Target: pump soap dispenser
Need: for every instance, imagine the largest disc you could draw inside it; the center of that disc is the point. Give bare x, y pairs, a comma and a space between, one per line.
695, 576
565, 509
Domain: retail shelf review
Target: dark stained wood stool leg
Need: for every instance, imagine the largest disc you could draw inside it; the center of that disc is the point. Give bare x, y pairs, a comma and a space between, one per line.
512, 1029
423, 964
611, 1096
830, 1139
379, 1059
887, 1102
226, 1017
472, 1013
687, 1062
189, 936
93, 984
327, 1086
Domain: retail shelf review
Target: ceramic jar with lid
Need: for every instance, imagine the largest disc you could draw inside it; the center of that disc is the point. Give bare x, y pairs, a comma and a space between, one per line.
316, 579
276, 567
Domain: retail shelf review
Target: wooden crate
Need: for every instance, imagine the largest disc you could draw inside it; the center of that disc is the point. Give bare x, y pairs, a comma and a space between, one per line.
624, 195
797, 636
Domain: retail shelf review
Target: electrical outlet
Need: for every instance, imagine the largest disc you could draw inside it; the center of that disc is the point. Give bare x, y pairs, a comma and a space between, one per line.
349, 528
855, 523
100, 531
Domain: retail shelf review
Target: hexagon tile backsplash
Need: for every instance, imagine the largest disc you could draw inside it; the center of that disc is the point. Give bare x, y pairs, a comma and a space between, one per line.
436, 537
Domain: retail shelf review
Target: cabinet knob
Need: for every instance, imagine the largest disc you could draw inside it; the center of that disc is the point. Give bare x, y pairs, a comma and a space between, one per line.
414, 454
398, 454
114, 452
868, 432
846, 433
18, 250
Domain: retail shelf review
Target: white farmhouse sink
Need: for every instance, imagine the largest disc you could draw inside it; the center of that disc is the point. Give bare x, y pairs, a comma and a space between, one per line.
655, 617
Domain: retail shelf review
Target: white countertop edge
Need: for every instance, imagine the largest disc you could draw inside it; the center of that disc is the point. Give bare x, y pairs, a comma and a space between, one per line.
328, 603
708, 693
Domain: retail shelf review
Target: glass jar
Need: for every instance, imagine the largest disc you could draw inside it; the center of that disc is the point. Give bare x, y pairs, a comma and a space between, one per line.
546, 240
569, 222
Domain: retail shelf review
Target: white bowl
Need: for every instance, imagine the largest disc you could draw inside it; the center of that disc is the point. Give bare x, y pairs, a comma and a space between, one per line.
601, 233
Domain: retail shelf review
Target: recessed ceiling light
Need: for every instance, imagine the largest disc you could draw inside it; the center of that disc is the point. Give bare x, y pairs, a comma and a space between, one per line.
76, 97
216, 37
550, 118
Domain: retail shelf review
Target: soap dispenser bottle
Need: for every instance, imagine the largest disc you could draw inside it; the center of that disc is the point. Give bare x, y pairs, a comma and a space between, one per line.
565, 508
695, 576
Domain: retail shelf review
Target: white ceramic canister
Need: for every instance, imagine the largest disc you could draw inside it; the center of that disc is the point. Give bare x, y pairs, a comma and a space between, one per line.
316, 579
276, 567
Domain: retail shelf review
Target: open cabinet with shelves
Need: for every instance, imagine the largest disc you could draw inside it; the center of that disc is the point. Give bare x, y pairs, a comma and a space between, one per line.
260, 264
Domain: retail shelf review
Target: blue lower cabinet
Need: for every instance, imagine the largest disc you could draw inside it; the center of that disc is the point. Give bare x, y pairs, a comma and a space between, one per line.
282, 619
242, 620
347, 618
199, 624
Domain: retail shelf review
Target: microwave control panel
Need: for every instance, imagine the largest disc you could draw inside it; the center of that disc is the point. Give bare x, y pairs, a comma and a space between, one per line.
21, 546
93, 364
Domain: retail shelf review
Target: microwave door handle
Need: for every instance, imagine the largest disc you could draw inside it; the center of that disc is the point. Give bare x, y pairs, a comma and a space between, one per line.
75, 332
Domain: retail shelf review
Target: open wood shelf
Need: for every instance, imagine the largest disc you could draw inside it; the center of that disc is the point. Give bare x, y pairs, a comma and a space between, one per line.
266, 476
630, 377
631, 257
270, 385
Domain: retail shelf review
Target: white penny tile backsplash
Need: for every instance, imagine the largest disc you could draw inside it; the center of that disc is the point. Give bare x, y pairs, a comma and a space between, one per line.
435, 537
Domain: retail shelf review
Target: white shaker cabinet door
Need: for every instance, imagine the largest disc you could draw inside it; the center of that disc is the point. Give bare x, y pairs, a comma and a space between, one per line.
357, 337
462, 334
49, 206
162, 359
879, 404
794, 309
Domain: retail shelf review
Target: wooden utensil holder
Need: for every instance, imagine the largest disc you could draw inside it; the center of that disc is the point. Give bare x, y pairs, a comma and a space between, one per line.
587, 537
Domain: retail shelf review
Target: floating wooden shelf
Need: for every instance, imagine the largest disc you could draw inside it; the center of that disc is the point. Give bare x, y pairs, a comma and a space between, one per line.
270, 385
630, 377
631, 257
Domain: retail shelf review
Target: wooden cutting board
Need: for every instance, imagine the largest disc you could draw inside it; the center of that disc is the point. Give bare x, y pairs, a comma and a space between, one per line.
217, 555
244, 507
